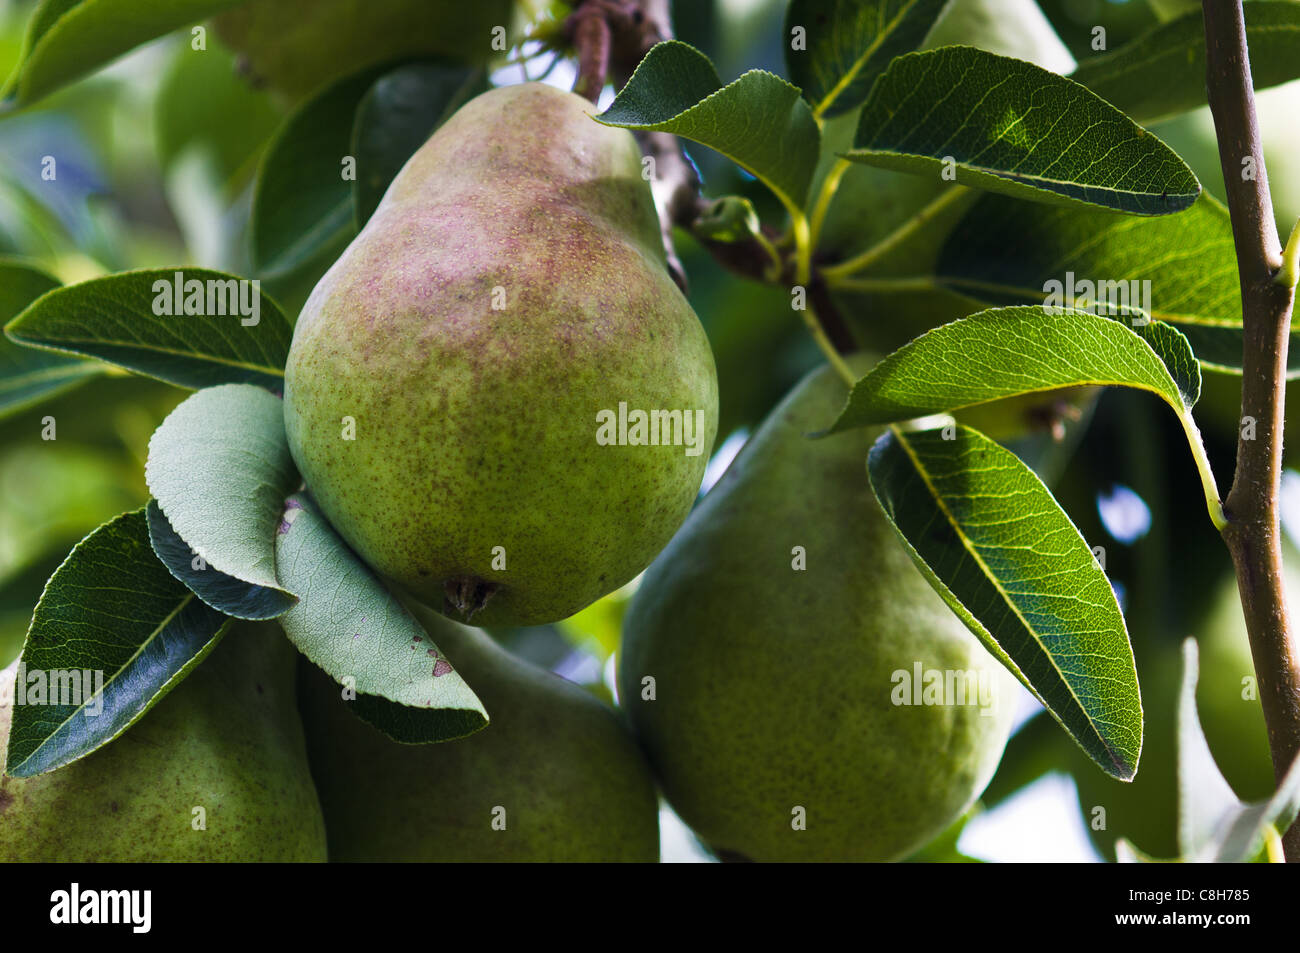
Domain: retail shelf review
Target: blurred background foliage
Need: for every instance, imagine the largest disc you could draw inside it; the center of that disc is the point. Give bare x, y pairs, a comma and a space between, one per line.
157, 156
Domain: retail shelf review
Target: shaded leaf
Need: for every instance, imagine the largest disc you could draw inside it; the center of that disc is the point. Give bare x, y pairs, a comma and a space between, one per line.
1213, 825
1005, 251
301, 200
1018, 350
993, 542
219, 467
397, 115
350, 625
128, 319
114, 609
759, 121
226, 594
849, 44
203, 103
1009, 126
68, 38
27, 374
1162, 72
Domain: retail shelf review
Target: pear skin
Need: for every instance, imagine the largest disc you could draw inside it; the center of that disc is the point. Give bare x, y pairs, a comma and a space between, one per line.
462, 388
767, 646
555, 776
227, 740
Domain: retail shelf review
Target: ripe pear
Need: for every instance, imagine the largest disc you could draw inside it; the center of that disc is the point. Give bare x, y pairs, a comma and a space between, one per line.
463, 386
555, 776
228, 740
769, 656
293, 47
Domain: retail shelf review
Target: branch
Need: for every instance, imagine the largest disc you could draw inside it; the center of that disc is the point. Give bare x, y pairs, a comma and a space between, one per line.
591, 38
1252, 534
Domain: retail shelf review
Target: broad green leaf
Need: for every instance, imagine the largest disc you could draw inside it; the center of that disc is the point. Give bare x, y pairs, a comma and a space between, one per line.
220, 469
849, 43
302, 202
203, 103
1162, 72
1213, 825
1020, 350
350, 625
112, 610
397, 116
226, 594
68, 38
27, 374
1006, 251
759, 121
192, 327
1009, 126
993, 542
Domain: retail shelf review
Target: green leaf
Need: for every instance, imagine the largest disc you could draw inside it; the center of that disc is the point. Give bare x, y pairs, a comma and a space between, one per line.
397, 116
850, 42
67, 39
1020, 350
1009, 126
203, 103
759, 121
301, 201
226, 594
129, 319
1162, 72
1006, 251
351, 626
112, 608
1213, 825
997, 547
220, 469
27, 375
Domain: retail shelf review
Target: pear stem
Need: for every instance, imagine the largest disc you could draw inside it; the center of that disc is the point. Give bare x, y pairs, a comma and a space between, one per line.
895, 238
592, 40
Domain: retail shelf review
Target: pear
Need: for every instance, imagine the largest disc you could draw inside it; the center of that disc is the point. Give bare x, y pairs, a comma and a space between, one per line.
497, 394
227, 740
770, 659
293, 47
555, 776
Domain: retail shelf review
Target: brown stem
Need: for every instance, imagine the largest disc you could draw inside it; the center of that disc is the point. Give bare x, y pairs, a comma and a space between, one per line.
637, 25
833, 323
1252, 533
592, 40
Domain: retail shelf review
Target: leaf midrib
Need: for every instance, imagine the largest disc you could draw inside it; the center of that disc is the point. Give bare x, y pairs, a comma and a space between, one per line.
969, 547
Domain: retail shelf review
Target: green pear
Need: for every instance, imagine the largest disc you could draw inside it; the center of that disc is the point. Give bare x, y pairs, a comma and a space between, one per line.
228, 740
555, 776
468, 389
769, 660
293, 47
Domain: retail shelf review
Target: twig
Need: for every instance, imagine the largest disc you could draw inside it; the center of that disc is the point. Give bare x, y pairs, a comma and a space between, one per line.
1252, 533
592, 40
